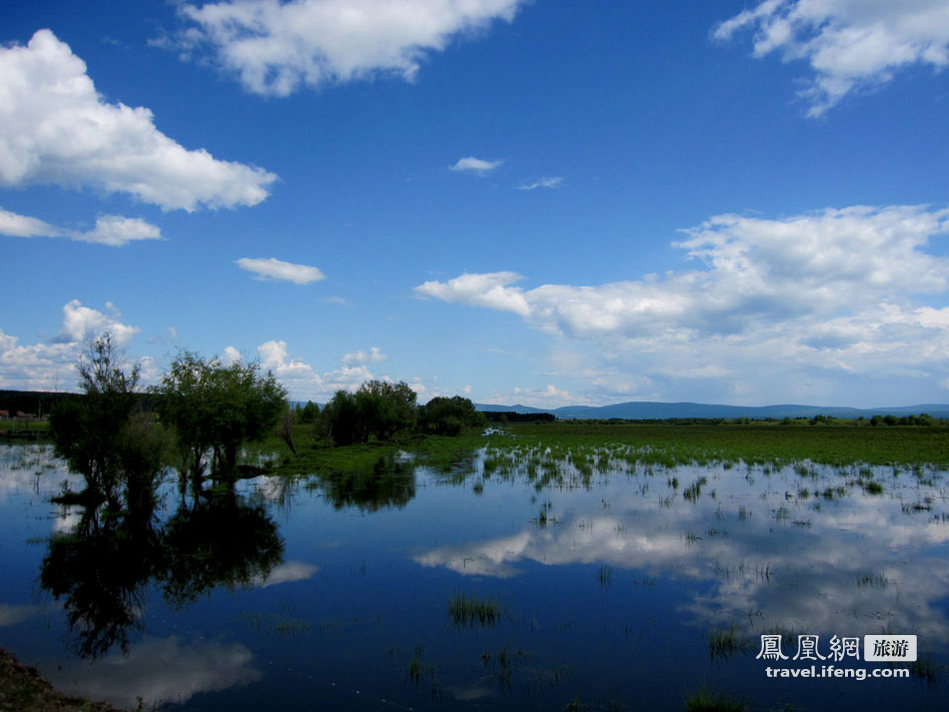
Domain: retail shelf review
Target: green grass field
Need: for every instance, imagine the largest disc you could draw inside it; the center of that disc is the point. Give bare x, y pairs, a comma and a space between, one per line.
9, 426
755, 442
839, 443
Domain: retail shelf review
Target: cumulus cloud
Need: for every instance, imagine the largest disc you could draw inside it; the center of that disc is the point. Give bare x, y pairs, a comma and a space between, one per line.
485, 290
302, 380
477, 166
55, 128
231, 356
373, 355
295, 374
837, 291
850, 44
81, 324
22, 226
278, 47
116, 231
346, 378
270, 268
49, 366
112, 230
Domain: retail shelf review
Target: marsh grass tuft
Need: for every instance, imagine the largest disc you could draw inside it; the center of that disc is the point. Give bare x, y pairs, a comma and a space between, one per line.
469, 612
725, 642
694, 490
877, 581
604, 576
926, 669
873, 487
704, 700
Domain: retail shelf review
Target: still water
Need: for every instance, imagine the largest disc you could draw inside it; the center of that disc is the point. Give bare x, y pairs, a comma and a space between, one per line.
513, 580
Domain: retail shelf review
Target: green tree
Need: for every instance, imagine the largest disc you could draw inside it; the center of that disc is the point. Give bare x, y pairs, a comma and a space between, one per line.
216, 408
103, 434
447, 416
308, 413
377, 410
342, 422
388, 407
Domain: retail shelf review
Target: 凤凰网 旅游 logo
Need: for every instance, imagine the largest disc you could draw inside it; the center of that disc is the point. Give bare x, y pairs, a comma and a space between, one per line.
876, 648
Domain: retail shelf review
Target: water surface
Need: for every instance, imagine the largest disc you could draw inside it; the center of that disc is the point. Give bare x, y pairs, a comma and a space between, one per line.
608, 582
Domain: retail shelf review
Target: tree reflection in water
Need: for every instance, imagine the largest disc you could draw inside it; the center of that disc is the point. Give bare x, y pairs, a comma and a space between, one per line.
222, 541
103, 567
390, 483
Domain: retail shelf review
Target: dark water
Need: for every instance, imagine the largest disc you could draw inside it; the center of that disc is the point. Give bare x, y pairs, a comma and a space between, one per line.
607, 584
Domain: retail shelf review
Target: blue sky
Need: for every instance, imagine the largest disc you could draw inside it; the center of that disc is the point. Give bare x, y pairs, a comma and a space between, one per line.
537, 202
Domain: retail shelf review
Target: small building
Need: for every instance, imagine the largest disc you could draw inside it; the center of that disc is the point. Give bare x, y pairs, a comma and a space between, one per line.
4, 414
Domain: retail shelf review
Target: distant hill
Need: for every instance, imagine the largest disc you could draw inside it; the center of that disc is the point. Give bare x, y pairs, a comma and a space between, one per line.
647, 410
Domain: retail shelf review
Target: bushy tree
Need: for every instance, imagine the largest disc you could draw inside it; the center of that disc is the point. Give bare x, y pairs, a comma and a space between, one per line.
216, 408
104, 434
342, 422
388, 407
309, 413
447, 416
377, 410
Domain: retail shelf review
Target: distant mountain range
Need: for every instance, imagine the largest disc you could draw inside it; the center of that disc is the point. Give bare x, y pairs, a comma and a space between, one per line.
646, 410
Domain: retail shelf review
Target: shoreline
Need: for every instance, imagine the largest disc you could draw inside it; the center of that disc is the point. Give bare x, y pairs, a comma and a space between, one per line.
24, 689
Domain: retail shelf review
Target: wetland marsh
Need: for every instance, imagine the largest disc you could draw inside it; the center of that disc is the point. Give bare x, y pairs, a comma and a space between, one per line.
554, 567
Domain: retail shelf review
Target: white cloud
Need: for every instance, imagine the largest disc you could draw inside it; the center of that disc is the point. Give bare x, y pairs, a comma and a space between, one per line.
780, 304
22, 226
346, 378
297, 376
474, 165
277, 47
52, 366
373, 355
548, 397
231, 356
113, 230
485, 290
116, 231
850, 44
82, 324
543, 182
55, 128
277, 270
303, 381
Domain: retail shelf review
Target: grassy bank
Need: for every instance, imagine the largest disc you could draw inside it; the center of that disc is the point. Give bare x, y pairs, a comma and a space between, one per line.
665, 443
23, 689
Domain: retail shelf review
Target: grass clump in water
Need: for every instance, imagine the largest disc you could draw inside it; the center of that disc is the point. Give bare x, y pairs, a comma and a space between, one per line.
925, 669
694, 490
704, 700
604, 577
726, 642
469, 611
